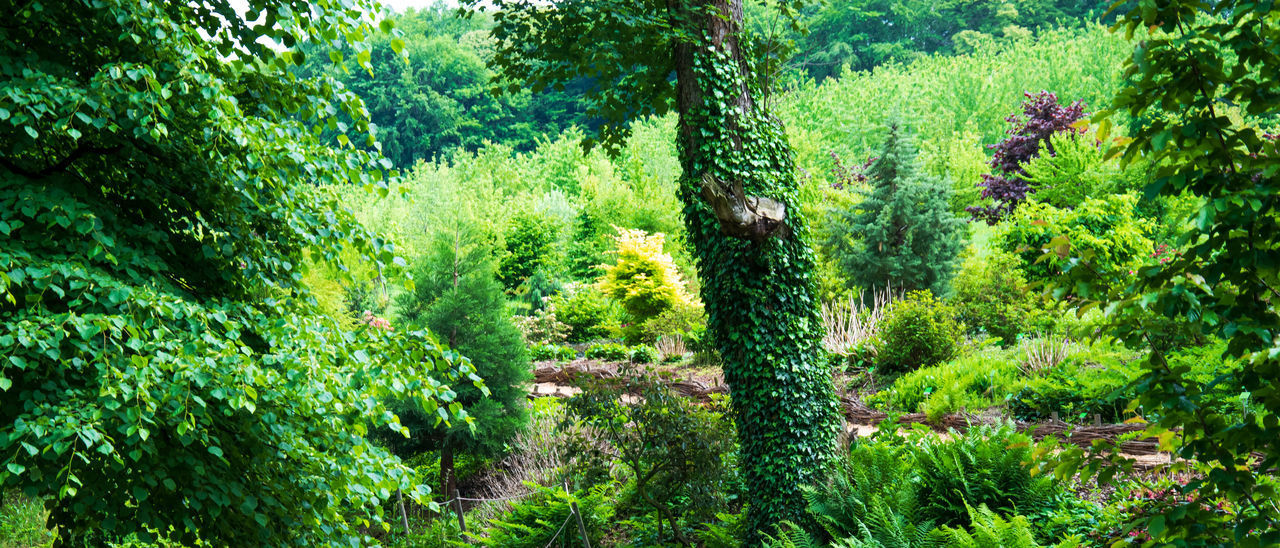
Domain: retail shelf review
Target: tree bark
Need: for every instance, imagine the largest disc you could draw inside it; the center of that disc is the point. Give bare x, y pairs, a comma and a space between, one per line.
447, 480
757, 284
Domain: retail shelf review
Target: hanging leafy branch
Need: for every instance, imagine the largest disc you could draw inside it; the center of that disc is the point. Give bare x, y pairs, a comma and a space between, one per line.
1195, 62
165, 374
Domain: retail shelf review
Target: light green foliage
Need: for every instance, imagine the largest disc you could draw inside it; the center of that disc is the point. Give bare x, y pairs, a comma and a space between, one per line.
165, 373
988, 528
974, 381
1078, 169
948, 98
864, 34
991, 295
917, 331
866, 498
608, 351
1107, 230
22, 522
643, 354
539, 352
457, 297
681, 319
902, 235
642, 279
545, 519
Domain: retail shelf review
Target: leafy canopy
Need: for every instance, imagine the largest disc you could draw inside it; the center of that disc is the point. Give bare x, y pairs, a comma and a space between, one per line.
165, 374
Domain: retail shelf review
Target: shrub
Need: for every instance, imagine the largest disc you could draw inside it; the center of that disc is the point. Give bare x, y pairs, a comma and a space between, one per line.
682, 318
1041, 118
587, 312
975, 381
610, 352
536, 521
540, 352
680, 454
643, 279
644, 354
984, 466
1105, 230
541, 327
992, 297
917, 331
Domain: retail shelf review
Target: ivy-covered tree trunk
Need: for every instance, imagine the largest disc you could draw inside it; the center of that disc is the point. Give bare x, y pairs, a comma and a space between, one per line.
739, 192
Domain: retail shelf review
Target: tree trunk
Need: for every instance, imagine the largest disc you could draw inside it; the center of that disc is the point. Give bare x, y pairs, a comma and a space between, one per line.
447, 480
756, 280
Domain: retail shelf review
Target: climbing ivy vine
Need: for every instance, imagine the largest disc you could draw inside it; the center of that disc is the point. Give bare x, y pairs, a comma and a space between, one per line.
740, 205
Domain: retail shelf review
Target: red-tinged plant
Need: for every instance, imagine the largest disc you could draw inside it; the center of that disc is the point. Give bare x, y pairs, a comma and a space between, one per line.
1042, 116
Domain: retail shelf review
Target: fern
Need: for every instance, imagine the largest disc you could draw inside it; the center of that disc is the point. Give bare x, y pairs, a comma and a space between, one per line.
791, 535
986, 466
989, 529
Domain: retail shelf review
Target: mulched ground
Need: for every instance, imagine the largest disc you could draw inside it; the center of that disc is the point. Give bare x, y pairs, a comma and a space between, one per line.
553, 379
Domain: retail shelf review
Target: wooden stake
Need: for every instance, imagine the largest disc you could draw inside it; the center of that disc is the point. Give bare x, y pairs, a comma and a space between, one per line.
404, 516
462, 521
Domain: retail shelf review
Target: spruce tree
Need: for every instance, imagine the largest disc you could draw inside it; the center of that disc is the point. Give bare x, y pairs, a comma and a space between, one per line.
458, 297
903, 234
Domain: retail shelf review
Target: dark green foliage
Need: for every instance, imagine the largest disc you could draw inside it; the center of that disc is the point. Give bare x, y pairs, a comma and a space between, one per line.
678, 453
1202, 81
643, 354
165, 374
864, 34
545, 519
539, 352
917, 331
985, 466
530, 247
903, 235
431, 92
607, 351
457, 297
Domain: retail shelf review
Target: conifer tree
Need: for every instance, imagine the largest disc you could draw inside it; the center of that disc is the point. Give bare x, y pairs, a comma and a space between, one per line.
458, 297
903, 234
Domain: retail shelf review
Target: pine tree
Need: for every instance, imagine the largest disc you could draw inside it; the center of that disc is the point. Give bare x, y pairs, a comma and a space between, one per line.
903, 234
458, 297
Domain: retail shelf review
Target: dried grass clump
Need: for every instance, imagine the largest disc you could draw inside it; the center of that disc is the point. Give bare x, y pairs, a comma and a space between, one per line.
850, 323
671, 346
1042, 354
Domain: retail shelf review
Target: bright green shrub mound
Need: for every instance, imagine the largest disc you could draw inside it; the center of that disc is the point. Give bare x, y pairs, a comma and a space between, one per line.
973, 382
608, 352
917, 331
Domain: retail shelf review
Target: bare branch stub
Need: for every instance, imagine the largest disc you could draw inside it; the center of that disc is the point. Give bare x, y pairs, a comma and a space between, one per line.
748, 217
